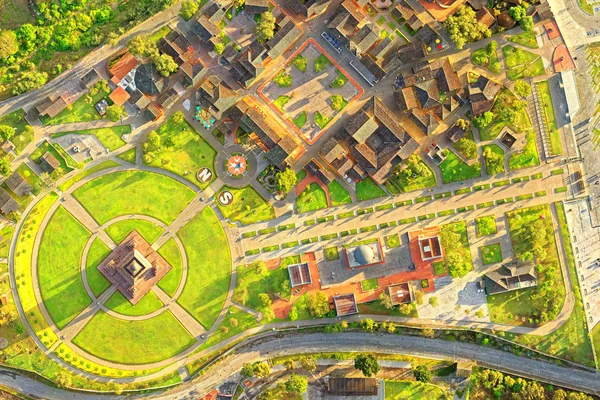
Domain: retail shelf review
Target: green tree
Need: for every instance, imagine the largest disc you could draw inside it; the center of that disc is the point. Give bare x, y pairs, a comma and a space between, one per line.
63, 380
57, 174
188, 9
308, 363
165, 64
153, 141
293, 315
462, 26
493, 160
462, 124
527, 23
296, 383
483, 120
386, 300
285, 180
8, 43
289, 364
6, 132
5, 168
141, 45
467, 147
405, 308
522, 88
517, 13
261, 268
368, 325
265, 29
434, 301
264, 299
247, 370
428, 333
115, 112
422, 374
239, 3
367, 364
318, 304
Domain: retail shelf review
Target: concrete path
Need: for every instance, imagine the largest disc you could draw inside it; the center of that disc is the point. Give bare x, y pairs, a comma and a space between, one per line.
72, 329
188, 322
77, 210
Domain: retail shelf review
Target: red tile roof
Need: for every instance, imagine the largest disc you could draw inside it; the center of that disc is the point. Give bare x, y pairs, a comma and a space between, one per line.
122, 67
119, 96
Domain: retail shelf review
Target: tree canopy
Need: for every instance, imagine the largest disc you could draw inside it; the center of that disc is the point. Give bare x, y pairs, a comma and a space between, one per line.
318, 304
367, 364
265, 29
462, 26
296, 383
422, 374
115, 112
188, 9
8, 43
285, 180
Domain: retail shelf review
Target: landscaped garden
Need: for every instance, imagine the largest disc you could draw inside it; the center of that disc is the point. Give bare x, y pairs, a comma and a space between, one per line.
522, 63
526, 38
247, 207
491, 254
494, 159
507, 110
23, 131
338, 195
81, 110
455, 169
412, 390
486, 225
182, 151
487, 57
367, 189
455, 240
311, 199
549, 118
110, 137
528, 157
416, 176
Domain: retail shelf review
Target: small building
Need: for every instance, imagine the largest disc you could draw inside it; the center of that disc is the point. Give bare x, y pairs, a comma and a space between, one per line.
7, 203
152, 112
323, 174
345, 304
148, 81
49, 162
119, 96
485, 17
455, 133
193, 72
101, 106
138, 100
352, 386
299, 274
401, 293
17, 184
507, 137
90, 78
256, 6
430, 247
482, 94
364, 255
464, 369
510, 276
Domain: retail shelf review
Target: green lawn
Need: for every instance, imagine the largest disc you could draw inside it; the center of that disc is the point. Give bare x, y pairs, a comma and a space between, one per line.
209, 267
526, 39
339, 81
494, 169
147, 304
6, 233
491, 64
31, 177
311, 199
283, 79
321, 120
486, 225
134, 342
189, 151
71, 181
22, 137
109, 137
463, 248
170, 252
369, 284
522, 63
491, 254
97, 253
321, 63
491, 131
376, 308
59, 262
439, 268
128, 155
392, 241
526, 158
300, 62
337, 102
148, 230
409, 184
411, 390
80, 111
134, 192
235, 322
300, 120
338, 194
332, 253
553, 136
248, 206
281, 101
46, 147
367, 189
454, 169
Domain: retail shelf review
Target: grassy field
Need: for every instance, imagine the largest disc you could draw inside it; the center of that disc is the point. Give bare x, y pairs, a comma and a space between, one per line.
147, 304
491, 131
170, 252
128, 155
553, 136
109, 137
491, 254
463, 249
375, 308
281, 101
148, 230
526, 158
491, 169
80, 111
522, 63
338, 194
46, 147
526, 39
134, 342
209, 267
300, 120
134, 192
312, 198
228, 328
411, 390
455, 169
367, 189
98, 252
248, 206
14, 13
189, 151
409, 184
369, 284
71, 181
22, 137
486, 225
492, 63
59, 275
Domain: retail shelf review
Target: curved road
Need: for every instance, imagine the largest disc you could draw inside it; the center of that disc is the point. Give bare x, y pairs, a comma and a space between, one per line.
284, 344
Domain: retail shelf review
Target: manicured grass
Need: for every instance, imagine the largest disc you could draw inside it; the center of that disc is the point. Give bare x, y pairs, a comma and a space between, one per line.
463, 248
147, 304
376, 308
46, 147
491, 254
321, 63
300, 62
561, 189
321, 120
493, 169
134, 192
409, 183
283, 79
209, 267
411, 390
526, 39
71, 181
454, 169
170, 252
367, 189
109, 137
148, 230
97, 253
6, 233
486, 225
338, 194
22, 137
189, 151
339, 81
59, 261
128, 156
369, 284
311, 199
300, 120
526, 158
281, 101
80, 111
501, 183
558, 171
134, 342
522, 63
439, 268
331, 253
392, 241
491, 131
228, 328
462, 191
549, 118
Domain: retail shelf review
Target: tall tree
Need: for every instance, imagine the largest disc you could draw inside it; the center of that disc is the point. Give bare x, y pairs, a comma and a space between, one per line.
265, 29
8, 43
422, 374
367, 364
318, 304
165, 64
463, 27
285, 180
188, 9
296, 383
